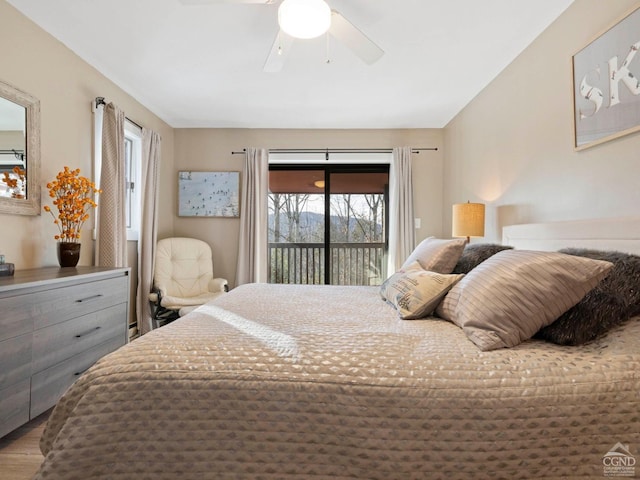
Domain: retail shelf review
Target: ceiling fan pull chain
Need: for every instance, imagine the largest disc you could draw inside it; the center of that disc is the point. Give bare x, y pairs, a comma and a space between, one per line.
328, 60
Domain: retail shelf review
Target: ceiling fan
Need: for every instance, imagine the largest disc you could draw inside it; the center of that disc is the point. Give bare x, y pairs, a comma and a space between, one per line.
304, 19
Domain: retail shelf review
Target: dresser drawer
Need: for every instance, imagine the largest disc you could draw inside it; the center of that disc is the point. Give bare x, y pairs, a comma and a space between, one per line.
48, 386
58, 342
15, 360
13, 322
56, 305
14, 406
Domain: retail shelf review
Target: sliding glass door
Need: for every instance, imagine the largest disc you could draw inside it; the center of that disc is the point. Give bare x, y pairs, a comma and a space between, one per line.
328, 224
296, 226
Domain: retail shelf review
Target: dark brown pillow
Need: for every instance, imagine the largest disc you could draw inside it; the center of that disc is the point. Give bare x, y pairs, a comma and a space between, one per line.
474, 254
611, 303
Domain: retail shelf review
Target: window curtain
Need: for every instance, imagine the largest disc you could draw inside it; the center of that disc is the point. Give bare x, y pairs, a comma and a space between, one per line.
111, 244
151, 149
401, 220
252, 251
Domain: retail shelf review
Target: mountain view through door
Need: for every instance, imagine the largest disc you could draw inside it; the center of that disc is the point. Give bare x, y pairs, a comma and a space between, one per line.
328, 225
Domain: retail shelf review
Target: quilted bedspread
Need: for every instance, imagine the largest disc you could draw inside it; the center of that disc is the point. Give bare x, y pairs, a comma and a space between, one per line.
310, 382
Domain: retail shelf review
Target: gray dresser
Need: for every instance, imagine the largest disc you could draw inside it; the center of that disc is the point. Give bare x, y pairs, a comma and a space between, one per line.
54, 324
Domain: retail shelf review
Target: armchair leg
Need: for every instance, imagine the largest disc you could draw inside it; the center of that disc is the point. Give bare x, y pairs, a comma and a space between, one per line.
162, 316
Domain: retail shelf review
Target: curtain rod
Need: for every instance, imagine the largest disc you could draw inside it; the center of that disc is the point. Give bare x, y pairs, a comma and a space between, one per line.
100, 101
19, 154
327, 151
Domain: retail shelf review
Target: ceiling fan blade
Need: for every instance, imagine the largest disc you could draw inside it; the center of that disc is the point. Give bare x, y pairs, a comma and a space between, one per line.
278, 54
212, 2
343, 30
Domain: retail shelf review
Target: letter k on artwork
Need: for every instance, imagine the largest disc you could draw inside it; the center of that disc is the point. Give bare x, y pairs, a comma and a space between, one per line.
595, 95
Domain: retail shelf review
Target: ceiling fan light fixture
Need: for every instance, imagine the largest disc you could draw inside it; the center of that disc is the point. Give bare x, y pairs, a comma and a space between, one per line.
304, 18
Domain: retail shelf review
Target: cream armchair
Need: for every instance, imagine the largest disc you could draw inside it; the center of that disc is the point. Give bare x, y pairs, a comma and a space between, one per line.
182, 278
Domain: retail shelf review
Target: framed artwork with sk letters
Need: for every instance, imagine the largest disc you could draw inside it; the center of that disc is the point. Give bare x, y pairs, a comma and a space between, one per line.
606, 84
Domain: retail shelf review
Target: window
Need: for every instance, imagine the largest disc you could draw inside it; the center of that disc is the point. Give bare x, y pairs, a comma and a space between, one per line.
328, 223
133, 172
132, 156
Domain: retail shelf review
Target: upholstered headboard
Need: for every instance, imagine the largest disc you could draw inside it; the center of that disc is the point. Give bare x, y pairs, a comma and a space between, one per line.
621, 234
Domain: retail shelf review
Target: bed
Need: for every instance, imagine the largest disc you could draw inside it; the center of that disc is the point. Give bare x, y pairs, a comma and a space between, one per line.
304, 382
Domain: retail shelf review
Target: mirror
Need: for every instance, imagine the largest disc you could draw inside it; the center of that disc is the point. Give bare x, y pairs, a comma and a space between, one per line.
19, 151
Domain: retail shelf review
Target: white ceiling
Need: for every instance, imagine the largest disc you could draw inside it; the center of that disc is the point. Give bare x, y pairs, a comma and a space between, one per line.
201, 66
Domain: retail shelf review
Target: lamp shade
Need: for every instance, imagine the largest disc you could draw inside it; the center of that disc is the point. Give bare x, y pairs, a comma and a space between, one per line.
468, 220
304, 18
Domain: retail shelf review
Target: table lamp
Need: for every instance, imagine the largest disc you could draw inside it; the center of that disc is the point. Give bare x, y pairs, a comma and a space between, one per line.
468, 220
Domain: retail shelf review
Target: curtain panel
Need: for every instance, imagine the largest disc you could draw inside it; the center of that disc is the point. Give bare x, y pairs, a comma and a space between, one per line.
252, 250
151, 155
401, 217
111, 245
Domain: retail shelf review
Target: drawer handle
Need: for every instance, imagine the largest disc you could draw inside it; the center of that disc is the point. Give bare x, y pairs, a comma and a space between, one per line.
93, 297
93, 330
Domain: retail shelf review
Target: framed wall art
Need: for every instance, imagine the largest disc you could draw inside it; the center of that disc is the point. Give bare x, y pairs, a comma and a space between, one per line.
606, 84
208, 194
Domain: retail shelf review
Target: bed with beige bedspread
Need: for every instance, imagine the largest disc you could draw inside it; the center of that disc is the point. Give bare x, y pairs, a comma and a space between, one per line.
304, 382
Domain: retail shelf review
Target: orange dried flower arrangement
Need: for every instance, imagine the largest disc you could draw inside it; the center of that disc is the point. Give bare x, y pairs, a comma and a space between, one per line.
73, 196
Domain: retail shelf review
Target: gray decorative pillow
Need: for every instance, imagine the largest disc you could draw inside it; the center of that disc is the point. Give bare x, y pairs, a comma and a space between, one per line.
510, 296
611, 303
414, 292
436, 254
476, 253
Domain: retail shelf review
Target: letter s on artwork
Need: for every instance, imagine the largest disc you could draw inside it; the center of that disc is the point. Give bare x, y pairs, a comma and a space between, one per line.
592, 94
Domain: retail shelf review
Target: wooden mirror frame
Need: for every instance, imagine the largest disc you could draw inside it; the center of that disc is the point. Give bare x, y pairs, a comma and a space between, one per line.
31, 204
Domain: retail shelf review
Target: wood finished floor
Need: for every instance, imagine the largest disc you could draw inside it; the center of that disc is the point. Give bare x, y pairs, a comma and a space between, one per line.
20, 454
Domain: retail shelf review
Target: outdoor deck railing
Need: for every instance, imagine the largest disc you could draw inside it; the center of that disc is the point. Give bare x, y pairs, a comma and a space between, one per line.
351, 263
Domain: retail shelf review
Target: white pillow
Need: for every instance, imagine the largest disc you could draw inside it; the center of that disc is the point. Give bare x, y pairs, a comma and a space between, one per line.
510, 296
414, 292
437, 255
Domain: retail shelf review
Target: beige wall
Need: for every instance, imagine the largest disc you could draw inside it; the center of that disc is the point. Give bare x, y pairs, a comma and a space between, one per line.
66, 85
512, 146
37, 63
210, 149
